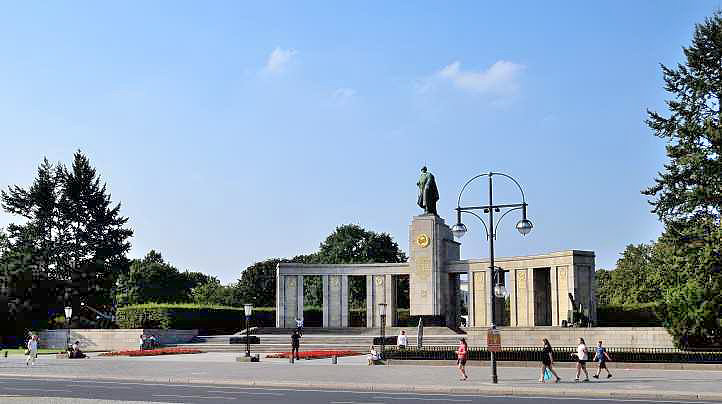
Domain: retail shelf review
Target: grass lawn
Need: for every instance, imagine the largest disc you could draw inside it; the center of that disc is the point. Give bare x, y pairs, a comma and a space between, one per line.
21, 351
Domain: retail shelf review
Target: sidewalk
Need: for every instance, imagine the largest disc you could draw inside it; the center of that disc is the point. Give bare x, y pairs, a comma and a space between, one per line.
352, 374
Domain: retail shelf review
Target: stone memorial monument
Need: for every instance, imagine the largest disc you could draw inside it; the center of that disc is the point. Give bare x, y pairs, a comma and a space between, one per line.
539, 285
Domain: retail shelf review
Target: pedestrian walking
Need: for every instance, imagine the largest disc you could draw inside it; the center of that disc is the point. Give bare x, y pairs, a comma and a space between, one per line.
295, 344
32, 351
402, 340
547, 361
601, 356
462, 354
582, 358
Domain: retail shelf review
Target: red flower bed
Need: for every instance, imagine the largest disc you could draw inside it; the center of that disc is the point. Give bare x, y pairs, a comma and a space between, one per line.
153, 352
315, 354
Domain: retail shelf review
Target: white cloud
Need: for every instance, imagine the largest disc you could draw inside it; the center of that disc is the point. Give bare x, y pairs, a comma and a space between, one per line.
500, 79
343, 94
278, 59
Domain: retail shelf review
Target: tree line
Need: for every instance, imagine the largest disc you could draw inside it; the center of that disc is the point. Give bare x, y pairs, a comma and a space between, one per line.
71, 246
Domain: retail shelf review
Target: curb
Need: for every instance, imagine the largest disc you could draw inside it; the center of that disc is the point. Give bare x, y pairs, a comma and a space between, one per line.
367, 387
562, 365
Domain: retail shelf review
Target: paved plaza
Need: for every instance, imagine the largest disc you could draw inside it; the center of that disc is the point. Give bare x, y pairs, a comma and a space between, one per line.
352, 374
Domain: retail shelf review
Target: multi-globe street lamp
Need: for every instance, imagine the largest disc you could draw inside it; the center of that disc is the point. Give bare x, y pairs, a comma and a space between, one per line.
248, 310
524, 226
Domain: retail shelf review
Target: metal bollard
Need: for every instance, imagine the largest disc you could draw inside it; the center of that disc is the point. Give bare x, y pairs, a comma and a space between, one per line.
290, 359
334, 360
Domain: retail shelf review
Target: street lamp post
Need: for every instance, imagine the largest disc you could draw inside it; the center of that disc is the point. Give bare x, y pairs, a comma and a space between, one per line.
524, 226
68, 317
248, 309
382, 314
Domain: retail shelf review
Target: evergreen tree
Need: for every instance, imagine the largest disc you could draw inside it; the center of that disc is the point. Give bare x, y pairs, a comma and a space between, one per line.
687, 195
72, 230
691, 183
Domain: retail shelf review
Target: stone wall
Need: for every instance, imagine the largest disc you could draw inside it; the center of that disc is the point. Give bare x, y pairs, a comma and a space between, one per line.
618, 337
111, 340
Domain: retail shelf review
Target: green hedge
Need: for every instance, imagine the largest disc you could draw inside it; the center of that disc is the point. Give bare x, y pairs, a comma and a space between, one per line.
207, 319
629, 315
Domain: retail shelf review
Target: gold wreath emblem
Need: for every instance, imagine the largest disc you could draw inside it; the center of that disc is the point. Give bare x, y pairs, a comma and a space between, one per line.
423, 240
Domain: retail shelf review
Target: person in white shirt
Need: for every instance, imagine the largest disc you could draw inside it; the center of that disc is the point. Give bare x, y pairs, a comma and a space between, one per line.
402, 341
32, 351
582, 358
299, 326
373, 355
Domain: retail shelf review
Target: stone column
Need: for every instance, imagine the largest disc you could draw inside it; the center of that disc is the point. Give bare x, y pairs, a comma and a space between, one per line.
299, 299
481, 300
332, 301
530, 296
344, 301
370, 300
513, 299
390, 294
280, 301
563, 293
288, 300
472, 298
428, 239
325, 304
522, 297
554, 295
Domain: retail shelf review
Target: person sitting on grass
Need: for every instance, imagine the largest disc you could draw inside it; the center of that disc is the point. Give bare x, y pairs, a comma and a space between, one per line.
373, 355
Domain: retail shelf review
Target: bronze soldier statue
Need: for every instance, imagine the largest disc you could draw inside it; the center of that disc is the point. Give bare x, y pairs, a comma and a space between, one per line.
428, 193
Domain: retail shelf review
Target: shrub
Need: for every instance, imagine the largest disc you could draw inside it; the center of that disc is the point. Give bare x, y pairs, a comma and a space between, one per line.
208, 319
629, 315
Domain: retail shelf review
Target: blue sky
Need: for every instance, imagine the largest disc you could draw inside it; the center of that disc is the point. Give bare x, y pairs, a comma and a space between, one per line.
233, 132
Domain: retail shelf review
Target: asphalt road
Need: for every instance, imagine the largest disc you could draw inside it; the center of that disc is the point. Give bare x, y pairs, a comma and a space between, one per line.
122, 391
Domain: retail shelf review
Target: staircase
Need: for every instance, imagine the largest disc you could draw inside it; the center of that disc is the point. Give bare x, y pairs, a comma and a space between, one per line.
355, 339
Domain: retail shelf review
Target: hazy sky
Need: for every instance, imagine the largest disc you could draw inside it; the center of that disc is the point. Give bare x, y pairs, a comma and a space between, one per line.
234, 132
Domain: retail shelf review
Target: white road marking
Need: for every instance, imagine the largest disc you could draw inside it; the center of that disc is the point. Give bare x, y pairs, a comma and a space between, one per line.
35, 389
424, 399
202, 397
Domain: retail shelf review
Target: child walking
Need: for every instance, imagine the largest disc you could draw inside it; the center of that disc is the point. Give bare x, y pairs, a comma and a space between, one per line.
601, 356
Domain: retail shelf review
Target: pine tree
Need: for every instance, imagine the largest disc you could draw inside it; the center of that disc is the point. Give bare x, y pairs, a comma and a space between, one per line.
691, 183
688, 193
93, 245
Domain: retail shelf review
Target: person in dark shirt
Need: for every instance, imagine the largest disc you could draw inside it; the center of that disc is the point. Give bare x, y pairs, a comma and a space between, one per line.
547, 360
295, 344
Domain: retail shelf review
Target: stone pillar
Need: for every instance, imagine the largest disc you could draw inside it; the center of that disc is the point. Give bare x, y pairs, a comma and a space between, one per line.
522, 298
288, 302
563, 302
481, 299
513, 299
530, 296
554, 295
299, 299
370, 300
344, 301
390, 295
428, 239
333, 301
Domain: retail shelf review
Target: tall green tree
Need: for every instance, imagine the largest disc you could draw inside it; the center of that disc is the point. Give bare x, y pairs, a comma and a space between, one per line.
634, 279
153, 280
691, 183
687, 194
72, 229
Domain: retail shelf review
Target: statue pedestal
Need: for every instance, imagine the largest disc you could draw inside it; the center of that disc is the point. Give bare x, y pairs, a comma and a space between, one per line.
431, 245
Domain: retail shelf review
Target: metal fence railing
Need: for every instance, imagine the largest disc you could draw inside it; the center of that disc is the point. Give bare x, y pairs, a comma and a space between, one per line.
561, 354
